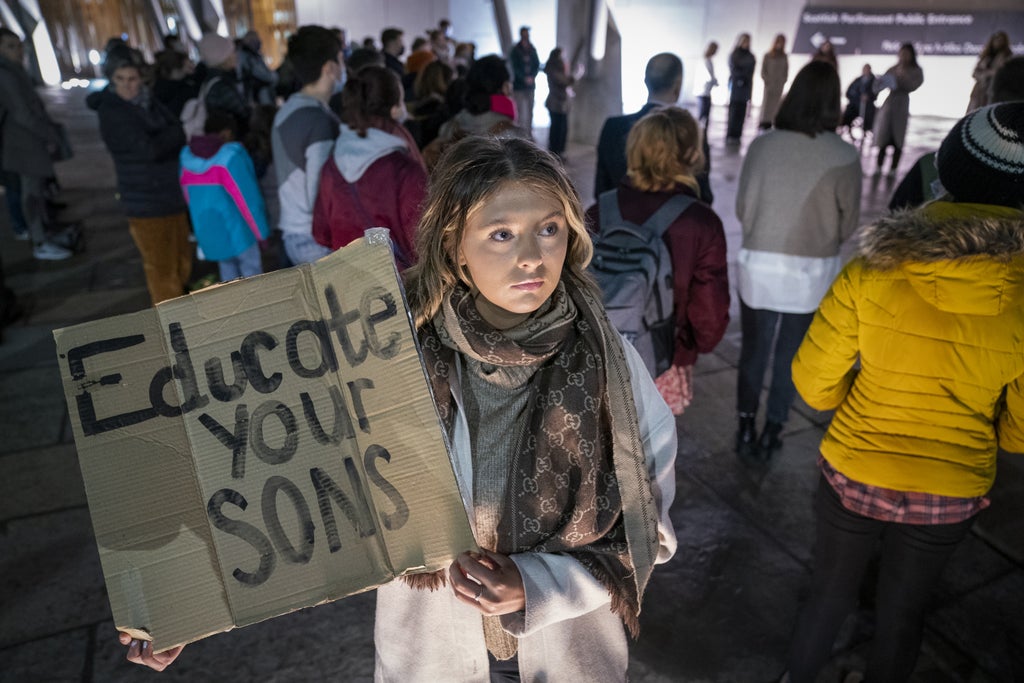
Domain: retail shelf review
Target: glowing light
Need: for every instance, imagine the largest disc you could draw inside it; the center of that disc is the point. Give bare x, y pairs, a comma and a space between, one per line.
599, 30
48, 67
94, 57
172, 24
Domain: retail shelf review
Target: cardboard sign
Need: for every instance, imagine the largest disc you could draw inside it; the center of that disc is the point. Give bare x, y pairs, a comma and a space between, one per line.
261, 446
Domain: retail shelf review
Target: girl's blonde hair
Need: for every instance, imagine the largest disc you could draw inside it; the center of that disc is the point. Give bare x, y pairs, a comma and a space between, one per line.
469, 173
663, 150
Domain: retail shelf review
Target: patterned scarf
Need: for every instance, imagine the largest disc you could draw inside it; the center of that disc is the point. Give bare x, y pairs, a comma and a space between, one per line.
578, 483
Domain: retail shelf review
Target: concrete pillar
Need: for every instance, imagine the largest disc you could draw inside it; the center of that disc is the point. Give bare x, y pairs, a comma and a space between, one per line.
599, 92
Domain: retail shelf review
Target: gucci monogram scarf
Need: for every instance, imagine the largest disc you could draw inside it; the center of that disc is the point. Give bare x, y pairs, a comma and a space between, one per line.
579, 481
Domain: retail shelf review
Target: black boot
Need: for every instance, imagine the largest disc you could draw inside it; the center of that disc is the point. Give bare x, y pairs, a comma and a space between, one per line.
746, 437
770, 440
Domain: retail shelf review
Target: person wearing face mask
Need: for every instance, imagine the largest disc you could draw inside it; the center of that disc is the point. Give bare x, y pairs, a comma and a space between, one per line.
393, 47
375, 176
303, 136
145, 138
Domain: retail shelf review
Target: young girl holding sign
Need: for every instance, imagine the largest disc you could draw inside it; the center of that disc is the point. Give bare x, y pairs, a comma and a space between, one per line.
562, 447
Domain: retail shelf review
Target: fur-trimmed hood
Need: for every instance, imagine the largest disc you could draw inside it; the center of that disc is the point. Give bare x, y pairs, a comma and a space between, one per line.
961, 258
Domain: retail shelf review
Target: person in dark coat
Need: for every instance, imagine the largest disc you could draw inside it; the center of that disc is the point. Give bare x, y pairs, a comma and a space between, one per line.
741, 83
861, 95
174, 85
28, 140
525, 67
220, 86
664, 80
560, 82
145, 139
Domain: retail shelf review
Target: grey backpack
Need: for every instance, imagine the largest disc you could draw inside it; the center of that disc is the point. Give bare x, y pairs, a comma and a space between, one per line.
633, 267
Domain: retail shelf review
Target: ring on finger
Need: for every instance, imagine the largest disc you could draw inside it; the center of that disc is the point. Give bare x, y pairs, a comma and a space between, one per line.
479, 592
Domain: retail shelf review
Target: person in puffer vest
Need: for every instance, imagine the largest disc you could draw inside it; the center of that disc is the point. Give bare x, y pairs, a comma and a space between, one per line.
919, 348
228, 214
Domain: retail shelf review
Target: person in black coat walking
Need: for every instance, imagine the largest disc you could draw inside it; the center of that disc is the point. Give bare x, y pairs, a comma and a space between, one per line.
664, 80
741, 83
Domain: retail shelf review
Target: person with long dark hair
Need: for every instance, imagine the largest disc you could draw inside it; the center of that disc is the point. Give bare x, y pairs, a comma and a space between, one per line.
560, 82
891, 124
774, 73
995, 53
741, 85
798, 200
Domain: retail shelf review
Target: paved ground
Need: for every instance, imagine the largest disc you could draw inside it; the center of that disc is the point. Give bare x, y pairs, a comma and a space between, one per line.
722, 610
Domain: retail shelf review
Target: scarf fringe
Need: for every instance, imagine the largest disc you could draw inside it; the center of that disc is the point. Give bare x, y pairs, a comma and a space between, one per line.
623, 604
626, 611
431, 582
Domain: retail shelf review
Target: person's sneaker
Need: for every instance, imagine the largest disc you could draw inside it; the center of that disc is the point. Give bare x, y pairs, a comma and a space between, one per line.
48, 251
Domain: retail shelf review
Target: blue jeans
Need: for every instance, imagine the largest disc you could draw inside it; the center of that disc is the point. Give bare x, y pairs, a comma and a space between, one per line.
246, 264
303, 248
913, 557
705, 110
767, 334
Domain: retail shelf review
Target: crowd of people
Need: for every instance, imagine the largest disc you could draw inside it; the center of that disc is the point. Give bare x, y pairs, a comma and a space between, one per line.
273, 168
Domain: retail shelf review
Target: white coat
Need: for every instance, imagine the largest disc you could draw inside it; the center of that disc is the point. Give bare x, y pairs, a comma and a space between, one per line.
567, 631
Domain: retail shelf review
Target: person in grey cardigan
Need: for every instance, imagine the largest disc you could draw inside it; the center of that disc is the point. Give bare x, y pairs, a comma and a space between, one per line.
798, 200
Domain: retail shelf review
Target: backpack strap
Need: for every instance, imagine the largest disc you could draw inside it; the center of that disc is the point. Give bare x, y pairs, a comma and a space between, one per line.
659, 221
206, 87
608, 203
667, 213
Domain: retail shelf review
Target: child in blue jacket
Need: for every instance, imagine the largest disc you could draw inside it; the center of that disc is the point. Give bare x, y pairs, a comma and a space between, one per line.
219, 182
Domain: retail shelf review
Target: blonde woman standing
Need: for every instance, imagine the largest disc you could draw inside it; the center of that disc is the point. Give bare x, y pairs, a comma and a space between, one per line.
774, 73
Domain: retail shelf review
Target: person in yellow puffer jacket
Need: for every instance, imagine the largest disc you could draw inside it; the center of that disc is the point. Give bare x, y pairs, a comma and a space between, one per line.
919, 348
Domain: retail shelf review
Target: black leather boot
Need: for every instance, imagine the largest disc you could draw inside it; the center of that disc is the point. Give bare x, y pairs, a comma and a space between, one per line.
746, 437
770, 440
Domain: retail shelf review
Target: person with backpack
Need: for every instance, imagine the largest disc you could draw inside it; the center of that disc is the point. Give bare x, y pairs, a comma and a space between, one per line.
218, 179
375, 176
798, 200
689, 299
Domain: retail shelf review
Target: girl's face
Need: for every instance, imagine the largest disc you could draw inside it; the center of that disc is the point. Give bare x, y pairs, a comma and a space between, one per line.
513, 248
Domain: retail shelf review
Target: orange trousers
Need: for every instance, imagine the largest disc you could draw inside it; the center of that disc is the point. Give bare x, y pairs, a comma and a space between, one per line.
166, 253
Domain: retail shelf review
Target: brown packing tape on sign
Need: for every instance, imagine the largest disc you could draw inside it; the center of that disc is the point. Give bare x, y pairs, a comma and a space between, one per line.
260, 446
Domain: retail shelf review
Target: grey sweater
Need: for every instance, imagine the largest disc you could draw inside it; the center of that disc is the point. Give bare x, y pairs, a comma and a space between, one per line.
799, 195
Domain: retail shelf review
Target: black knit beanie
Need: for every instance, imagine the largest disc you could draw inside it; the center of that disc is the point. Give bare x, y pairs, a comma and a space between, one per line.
982, 159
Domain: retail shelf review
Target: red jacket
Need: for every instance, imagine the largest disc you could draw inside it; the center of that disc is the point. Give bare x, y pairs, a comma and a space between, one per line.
389, 195
696, 242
